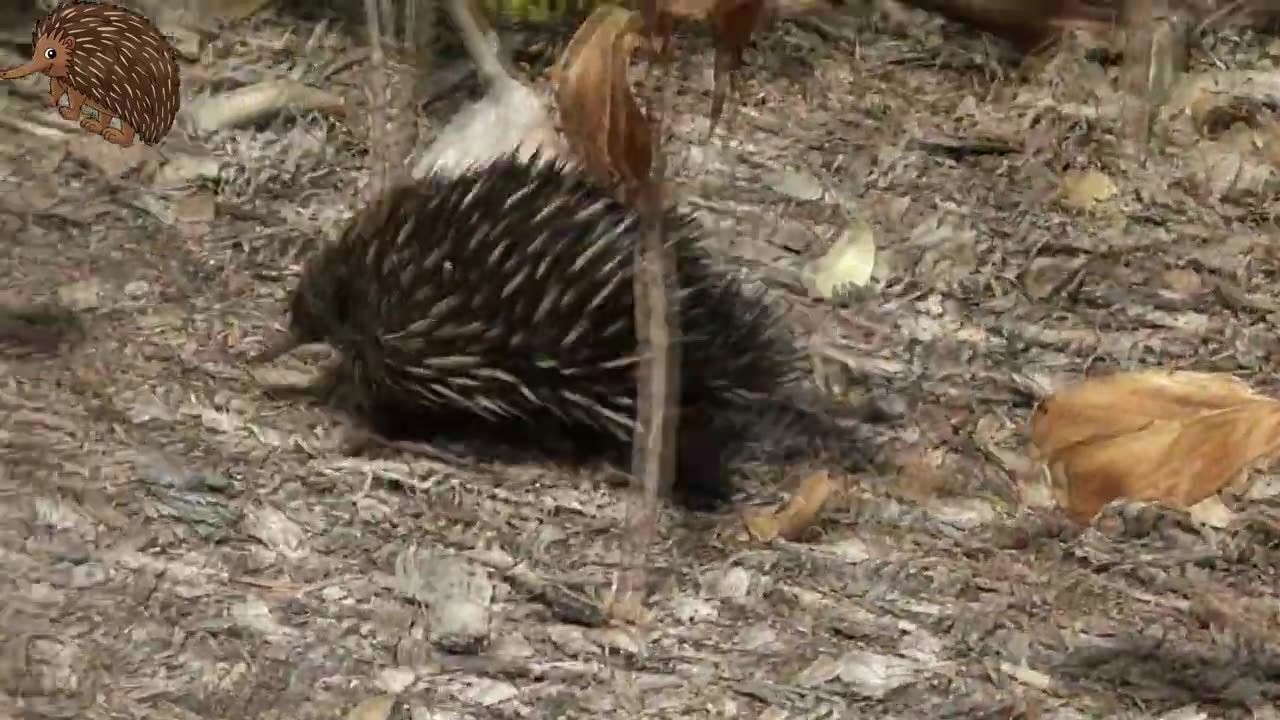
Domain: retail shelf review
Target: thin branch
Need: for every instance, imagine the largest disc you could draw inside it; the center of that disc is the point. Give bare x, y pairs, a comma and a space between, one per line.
379, 153
481, 42
658, 384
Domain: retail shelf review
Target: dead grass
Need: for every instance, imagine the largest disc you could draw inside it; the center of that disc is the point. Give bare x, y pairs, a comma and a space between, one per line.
176, 544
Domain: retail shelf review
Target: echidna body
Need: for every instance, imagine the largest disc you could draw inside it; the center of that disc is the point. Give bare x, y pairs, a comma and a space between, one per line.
112, 57
506, 293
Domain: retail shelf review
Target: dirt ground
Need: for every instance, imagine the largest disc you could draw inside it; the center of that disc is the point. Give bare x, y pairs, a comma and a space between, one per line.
177, 544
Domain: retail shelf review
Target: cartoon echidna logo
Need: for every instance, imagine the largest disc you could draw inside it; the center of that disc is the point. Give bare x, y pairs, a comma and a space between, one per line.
112, 60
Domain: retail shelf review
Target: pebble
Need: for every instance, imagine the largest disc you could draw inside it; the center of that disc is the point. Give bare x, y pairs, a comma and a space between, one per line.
81, 295
457, 593
690, 610
734, 583
87, 575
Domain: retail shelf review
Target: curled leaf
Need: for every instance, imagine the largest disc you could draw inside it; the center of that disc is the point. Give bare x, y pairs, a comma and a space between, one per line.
601, 118
850, 261
799, 514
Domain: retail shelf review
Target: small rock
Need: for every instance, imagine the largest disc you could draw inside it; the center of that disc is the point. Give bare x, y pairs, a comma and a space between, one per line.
572, 640
873, 675
734, 583
85, 295
618, 640
457, 593
921, 645
512, 646
220, 421
419, 712
108, 159
275, 530
378, 707
822, 670
756, 637
199, 207
137, 288
851, 550
794, 236
1212, 512
396, 680
87, 575
184, 168
1264, 487
798, 184
691, 609
45, 594
143, 586
459, 625
1186, 712
487, 692
254, 614
146, 407
963, 513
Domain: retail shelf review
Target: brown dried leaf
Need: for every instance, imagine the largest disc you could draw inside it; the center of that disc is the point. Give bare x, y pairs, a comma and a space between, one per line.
601, 119
1172, 437
1128, 402
799, 514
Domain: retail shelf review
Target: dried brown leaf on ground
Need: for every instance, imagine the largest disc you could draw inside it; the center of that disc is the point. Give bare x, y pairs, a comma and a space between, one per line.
1173, 437
601, 119
800, 513
1123, 403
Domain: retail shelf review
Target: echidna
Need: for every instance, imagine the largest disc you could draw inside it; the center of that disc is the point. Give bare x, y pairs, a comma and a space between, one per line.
505, 294
112, 60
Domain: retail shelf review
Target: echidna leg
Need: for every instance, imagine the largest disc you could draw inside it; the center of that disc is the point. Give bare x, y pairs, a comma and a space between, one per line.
92, 124
102, 125
75, 99
122, 137
702, 480
56, 88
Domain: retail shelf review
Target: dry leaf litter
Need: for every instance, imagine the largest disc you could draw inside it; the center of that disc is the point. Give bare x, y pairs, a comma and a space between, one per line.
177, 544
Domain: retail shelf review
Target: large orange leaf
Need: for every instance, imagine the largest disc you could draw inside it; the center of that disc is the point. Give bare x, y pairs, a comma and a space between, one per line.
1127, 402
1173, 437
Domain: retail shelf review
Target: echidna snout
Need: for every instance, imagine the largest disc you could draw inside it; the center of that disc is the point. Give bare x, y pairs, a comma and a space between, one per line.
504, 295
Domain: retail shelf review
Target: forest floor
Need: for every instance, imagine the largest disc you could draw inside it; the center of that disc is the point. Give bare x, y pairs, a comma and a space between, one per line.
175, 543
